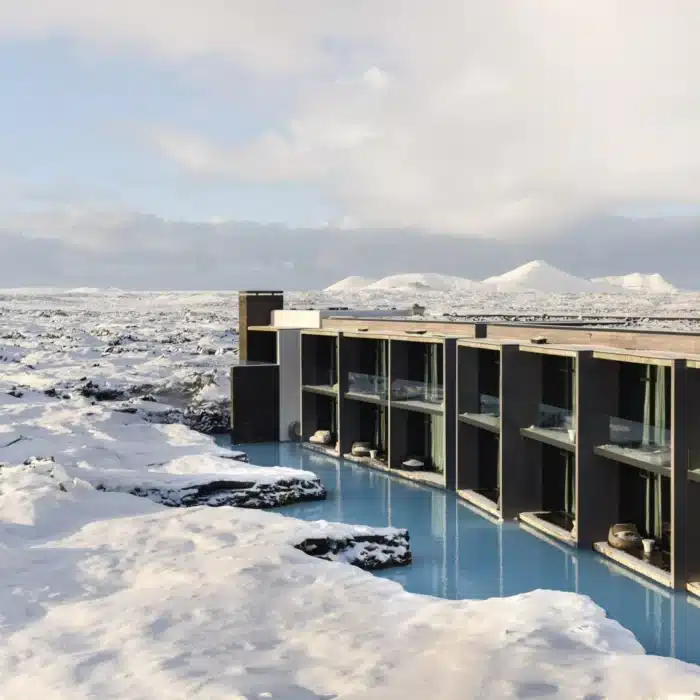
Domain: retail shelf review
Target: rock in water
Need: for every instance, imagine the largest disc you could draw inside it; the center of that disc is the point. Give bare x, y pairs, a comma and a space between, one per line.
385, 549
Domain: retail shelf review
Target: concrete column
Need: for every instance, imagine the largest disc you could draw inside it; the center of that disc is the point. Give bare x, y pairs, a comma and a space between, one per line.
345, 417
397, 429
520, 459
679, 475
693, 505
597, 482
467, 402
468, 379
450, 415
289, 360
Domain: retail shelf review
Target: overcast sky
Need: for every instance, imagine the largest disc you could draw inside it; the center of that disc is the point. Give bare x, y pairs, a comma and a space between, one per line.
504, 119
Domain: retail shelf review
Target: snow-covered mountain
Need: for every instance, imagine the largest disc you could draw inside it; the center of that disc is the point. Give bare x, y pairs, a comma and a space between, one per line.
350, 284
423, 282
540, 276
640, 282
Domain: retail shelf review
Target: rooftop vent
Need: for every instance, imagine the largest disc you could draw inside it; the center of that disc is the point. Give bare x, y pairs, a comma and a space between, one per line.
539, 340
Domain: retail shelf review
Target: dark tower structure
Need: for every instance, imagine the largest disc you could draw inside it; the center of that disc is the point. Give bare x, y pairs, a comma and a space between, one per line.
255, 309
255, 386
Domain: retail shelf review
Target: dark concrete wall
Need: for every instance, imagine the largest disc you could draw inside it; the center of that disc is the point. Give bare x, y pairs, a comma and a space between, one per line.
693, 438
346, 427
255, 403
406, 436
467, 456
255, 309
466, 469
679, 475
597, 492
521, 464
319, 355
468, 380
318, 412
449, 380
261, 347
693, 527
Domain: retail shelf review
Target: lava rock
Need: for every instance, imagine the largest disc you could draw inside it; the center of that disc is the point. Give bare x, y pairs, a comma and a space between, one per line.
224, 492
371, 552
93, 391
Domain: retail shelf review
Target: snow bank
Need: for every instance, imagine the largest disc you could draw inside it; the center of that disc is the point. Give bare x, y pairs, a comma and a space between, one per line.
112, 597
113, 451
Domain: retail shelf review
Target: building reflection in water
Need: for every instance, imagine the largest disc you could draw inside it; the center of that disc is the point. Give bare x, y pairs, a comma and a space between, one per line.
458, 553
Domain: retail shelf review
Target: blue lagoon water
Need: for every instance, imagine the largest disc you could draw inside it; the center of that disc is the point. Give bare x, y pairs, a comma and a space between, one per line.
460, 554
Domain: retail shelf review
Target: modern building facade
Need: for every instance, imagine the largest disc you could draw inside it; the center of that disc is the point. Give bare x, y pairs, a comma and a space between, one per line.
584, 435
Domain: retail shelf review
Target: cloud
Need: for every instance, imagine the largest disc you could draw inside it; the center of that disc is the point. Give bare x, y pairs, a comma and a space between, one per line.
266, 36
133, 251
498, 118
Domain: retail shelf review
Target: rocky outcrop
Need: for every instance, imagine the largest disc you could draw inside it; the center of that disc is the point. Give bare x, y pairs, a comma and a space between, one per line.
186, 491
223, 492
381, 550
210, 418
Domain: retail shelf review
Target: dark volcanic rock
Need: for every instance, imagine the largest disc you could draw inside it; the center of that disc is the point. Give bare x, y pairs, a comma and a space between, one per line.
93, 391
225, 492
209, 418
367, 551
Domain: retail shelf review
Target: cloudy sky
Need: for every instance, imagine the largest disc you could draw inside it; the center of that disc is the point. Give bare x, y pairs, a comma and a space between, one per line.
502, 120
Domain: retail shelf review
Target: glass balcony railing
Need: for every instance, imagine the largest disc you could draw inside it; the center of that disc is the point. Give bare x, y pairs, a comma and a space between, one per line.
489, 405
423, 392
556, 422
644, 441
372, 385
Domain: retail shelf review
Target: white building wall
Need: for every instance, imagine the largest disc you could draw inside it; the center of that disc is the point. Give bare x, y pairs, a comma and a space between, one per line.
289, 354
290, 318
311, 318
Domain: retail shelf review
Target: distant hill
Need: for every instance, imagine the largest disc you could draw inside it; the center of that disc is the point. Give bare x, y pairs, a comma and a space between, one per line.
349, 284
423, 282
639, 282
540, 276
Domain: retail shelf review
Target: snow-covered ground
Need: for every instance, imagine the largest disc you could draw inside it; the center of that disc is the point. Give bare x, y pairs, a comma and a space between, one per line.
107, 595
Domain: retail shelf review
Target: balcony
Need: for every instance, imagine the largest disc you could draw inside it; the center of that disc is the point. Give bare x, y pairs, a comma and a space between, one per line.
322, 381
489, 415
415, 395
638, 444
554, 426
369, 387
